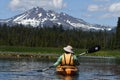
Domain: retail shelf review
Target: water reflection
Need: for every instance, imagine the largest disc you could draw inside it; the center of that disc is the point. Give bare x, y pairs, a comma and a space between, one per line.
61, 77
26, 69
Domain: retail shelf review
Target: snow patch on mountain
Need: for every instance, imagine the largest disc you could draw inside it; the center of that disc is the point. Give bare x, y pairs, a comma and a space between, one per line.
20, 18
32, 22
40, 14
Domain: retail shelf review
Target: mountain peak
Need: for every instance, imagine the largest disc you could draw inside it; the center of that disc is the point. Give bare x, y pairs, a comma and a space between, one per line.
37, 9
39, 17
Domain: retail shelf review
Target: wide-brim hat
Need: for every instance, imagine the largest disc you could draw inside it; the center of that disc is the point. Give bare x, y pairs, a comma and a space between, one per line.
68, 49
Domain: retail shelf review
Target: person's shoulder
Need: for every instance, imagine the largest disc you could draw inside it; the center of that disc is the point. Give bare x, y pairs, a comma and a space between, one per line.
60, 56
74, 56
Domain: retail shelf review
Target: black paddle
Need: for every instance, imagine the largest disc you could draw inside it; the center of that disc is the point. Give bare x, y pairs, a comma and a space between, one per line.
91, 50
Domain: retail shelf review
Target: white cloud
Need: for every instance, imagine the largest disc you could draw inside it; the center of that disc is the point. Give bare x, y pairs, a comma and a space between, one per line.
105, 11
113, 10
107, 15
57, 3
97, 8
27, 4
115, 7
14, 3
93, 8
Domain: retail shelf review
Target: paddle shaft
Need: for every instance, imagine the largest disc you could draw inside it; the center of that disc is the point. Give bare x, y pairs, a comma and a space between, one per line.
82, 53
45, 69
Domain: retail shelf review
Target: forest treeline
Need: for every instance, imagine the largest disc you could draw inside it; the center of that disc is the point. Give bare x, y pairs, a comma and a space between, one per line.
56, 36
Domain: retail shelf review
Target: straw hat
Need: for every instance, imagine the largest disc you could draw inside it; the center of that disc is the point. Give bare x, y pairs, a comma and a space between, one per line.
68, 49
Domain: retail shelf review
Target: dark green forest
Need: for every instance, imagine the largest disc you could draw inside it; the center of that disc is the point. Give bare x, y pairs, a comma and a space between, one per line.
56, 36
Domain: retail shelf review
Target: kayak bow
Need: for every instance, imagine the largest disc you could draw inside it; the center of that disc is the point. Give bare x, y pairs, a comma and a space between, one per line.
67, 70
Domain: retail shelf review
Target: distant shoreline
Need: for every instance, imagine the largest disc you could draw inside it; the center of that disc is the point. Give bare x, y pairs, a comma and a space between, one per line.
27, 55
48, 52
44, 55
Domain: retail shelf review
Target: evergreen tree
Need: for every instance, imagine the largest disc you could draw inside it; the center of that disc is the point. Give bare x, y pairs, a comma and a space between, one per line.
118, 34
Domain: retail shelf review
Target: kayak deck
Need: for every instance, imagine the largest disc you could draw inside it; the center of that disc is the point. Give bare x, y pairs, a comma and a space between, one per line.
67, 70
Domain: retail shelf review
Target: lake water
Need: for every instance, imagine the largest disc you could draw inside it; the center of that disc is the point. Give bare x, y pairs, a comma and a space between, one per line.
89, 69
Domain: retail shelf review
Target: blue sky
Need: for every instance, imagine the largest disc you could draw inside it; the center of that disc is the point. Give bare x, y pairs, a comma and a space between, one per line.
104, 12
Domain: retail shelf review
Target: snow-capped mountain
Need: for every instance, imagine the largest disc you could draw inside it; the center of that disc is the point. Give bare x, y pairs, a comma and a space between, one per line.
40, 17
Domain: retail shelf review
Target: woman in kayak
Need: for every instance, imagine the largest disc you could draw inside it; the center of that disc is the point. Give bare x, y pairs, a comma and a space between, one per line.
67, 62
67, 58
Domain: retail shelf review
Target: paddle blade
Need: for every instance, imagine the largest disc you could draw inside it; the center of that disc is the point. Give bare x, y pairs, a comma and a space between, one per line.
94, 49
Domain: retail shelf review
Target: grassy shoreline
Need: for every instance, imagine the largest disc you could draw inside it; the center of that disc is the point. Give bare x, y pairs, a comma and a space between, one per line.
35, 51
